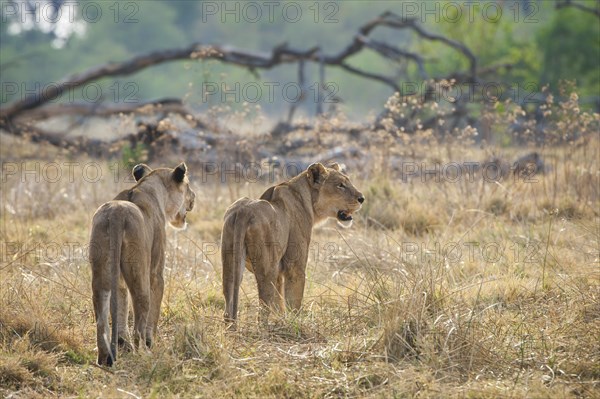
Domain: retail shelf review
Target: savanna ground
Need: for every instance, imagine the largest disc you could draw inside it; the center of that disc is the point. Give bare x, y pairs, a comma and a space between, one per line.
449, 287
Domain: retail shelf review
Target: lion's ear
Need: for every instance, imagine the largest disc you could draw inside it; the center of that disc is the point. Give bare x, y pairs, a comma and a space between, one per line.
140, 170
336, 166
268, 194
179, 172
316, 173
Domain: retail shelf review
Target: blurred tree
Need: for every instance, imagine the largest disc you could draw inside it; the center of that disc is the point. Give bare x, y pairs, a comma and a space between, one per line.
570, 47
495, 38
566, 46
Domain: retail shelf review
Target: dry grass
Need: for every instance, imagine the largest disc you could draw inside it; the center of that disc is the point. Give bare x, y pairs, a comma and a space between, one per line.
440, 289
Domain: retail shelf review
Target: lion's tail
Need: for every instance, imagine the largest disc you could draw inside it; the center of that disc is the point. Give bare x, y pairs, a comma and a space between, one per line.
233, 258
115, 243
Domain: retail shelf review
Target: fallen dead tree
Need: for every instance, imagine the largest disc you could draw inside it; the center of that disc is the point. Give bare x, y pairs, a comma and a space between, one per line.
19, 118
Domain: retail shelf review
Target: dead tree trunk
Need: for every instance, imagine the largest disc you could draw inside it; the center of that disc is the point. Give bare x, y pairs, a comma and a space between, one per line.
34, 108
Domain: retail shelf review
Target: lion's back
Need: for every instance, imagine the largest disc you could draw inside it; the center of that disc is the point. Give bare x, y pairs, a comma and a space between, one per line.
111, 216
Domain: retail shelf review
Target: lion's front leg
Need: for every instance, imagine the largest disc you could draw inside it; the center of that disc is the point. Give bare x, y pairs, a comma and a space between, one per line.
157, 287
294, 271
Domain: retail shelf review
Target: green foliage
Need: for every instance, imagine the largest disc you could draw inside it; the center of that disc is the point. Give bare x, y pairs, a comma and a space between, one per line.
570, 50
557, 45
133, 155
505, 39
76, 357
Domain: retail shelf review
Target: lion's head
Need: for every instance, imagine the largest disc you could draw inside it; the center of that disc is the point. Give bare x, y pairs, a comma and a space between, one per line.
181, 197
337, 197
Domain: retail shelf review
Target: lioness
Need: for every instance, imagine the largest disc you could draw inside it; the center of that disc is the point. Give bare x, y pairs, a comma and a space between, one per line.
127, 246
271, 235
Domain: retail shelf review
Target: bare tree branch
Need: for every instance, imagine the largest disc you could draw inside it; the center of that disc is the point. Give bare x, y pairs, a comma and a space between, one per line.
392, 20
294, 105
166, 105
569, 3
281, 54
394, 53
388, 81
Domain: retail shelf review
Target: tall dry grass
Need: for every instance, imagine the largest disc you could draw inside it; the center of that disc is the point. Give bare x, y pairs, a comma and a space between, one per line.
466, 288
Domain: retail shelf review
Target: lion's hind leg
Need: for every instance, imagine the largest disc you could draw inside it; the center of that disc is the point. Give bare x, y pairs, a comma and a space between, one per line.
101, 291
269, 290
141, 308
232, 279
123, 316
233, 256
101, 299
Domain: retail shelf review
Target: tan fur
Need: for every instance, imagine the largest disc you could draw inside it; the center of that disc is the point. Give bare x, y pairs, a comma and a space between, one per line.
127, 254
271, 236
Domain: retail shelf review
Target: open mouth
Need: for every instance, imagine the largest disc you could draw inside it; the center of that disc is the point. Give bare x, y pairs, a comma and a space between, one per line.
344, 216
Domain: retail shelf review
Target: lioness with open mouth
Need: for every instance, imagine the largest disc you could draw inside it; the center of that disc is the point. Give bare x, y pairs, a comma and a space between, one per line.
271, 236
